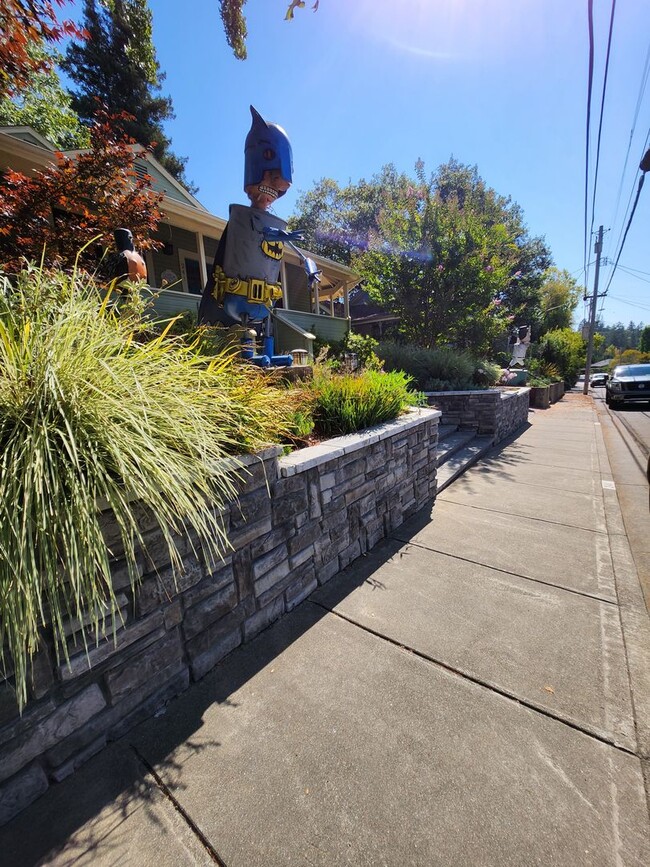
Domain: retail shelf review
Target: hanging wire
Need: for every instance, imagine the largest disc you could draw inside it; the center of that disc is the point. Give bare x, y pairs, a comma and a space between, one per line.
642, 87
634, 271
600, 122
629, 201
630, 303
590, 17
629, 222
631, 273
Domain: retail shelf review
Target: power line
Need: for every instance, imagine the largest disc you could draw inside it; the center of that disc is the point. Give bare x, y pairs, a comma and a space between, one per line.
632, 274
644, 166
644, 81
629, 201
602, 109
590, 18
629, 303
635, 270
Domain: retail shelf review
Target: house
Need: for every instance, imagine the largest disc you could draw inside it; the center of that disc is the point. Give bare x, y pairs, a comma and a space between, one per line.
189, 234
370, 318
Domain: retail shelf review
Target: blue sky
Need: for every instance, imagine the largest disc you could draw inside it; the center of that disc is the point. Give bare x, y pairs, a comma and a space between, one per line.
501, 84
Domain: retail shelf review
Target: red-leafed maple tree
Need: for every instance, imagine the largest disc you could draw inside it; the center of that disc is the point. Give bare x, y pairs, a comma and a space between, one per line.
62, 208
24, 23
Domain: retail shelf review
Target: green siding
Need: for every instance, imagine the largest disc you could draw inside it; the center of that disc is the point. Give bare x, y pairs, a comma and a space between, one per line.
328, 328
160, 184
170, 303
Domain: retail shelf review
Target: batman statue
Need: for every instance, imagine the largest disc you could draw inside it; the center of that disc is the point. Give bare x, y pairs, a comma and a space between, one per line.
244, 285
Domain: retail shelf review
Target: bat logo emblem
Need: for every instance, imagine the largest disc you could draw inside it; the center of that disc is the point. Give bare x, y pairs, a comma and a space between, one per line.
273, 249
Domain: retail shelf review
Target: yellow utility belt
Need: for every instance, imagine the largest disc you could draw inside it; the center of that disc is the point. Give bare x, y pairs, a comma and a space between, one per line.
257, 291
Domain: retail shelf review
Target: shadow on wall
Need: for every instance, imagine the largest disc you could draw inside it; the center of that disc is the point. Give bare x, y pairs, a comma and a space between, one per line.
81, 815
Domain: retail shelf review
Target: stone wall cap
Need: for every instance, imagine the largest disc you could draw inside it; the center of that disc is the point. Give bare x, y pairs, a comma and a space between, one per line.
477, 391
306, 459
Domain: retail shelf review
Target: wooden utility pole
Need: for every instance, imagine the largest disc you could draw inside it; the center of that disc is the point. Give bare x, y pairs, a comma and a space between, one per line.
592, 314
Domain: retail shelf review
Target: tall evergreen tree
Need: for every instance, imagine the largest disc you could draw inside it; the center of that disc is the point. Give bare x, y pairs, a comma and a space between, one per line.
116, 66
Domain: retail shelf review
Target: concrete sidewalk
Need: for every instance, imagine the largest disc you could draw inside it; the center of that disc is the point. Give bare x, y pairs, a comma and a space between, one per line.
473, 692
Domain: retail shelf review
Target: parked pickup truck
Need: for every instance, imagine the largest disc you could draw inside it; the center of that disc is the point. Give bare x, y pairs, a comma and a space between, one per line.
629, 383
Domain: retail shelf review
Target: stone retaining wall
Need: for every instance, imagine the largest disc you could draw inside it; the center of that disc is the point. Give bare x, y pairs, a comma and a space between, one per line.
300, 519
494, 411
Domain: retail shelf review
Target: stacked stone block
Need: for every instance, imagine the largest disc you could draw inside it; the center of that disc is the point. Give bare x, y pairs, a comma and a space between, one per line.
495, 411
298, 521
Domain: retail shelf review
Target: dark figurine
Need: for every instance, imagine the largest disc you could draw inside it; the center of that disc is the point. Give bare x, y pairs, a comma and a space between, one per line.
126, 264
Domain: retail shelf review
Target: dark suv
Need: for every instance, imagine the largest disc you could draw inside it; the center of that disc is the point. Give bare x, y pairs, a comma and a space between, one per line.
630, 383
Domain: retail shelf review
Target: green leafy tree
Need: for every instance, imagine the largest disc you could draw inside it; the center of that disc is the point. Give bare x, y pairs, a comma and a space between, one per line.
116, 67
621, 336
644, 340
521, 295
446, 253
44, 105
340, 222
560, 294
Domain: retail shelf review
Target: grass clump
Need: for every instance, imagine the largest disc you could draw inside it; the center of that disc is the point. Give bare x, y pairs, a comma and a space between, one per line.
346, 403
93, 419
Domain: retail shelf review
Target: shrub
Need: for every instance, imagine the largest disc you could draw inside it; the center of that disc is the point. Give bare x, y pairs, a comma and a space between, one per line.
430, 369
347, 403
363, 346
92, 419
565, 349
486, 374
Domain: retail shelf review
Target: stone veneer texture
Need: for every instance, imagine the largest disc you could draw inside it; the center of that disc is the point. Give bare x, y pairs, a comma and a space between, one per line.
299, 520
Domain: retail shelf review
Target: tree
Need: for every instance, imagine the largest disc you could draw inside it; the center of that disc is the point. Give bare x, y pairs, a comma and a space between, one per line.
24, 23
447, 254
44, 105
61, 209
340, 222
116, 66
560, 294
644, 340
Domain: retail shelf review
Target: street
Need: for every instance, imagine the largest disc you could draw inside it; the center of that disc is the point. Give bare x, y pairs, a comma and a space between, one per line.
632, 420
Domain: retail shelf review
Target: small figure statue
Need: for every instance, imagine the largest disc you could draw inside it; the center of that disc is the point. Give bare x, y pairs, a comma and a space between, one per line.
126, 264
519, 342
245, 282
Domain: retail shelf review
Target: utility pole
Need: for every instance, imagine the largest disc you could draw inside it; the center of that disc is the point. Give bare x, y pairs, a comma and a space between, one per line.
592, 314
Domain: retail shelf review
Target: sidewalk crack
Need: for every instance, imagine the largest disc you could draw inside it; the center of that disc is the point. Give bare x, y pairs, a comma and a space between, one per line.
194, 828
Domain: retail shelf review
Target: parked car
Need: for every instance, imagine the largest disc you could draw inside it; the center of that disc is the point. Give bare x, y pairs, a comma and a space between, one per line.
629, 383
598, 380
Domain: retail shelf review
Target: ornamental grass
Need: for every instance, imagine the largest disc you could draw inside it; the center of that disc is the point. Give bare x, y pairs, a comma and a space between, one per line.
352, 402
93, 420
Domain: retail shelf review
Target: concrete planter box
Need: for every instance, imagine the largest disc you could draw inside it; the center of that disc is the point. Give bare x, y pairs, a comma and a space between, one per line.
496, 411
300, 519
556, 391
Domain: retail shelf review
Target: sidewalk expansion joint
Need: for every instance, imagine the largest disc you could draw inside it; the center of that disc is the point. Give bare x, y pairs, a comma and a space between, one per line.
463, 675
518, 515
194, 828
582, 593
